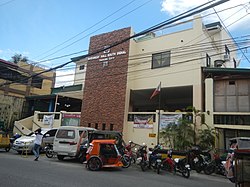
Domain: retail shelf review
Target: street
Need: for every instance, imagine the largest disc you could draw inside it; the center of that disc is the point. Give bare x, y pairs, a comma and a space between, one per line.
16, 170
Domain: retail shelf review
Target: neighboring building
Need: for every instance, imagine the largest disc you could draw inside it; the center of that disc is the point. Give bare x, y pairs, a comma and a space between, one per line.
61, 103
119, 81
12, 96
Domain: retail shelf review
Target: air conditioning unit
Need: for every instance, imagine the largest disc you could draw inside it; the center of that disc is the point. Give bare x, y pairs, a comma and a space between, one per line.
227, 57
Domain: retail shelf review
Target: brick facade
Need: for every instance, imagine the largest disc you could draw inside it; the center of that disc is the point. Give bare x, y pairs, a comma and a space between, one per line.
105, 87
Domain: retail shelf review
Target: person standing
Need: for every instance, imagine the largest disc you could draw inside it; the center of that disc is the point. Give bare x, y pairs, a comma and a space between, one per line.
38, 142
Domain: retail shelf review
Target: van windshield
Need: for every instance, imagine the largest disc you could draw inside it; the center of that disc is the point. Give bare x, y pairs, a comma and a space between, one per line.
67, 134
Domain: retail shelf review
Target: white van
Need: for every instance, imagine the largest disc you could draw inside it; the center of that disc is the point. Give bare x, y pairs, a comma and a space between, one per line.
66, 140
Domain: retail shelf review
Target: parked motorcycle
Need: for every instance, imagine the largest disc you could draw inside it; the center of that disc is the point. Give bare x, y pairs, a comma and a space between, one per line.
200, 160
149, 160
218, 165
13, 138
155, 160
176, 165
127, 155
49, 150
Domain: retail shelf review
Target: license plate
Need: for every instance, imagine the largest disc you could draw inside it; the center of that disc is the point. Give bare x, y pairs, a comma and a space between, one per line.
187, 166
158, 160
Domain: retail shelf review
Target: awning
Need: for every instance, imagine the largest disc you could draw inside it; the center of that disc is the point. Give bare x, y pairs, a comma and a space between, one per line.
233, 127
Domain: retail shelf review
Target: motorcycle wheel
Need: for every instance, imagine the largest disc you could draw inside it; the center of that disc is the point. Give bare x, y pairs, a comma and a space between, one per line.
185, 173
126, 161
198, 167
166, 167
7, 149
158, 168
143, 165
209, 169
49, 153
82, 158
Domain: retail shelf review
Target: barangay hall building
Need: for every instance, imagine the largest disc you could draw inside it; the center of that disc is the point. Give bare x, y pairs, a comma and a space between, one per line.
195, 66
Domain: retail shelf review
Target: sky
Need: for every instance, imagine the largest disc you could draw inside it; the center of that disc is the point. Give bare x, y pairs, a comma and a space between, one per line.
46, 29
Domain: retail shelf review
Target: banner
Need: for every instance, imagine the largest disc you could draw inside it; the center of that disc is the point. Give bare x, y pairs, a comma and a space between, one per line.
143, 121
168, 119
71, 120
48, 120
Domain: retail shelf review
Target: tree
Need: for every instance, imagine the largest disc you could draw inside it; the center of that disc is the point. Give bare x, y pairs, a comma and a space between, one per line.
178, 135
207, 138
18, 57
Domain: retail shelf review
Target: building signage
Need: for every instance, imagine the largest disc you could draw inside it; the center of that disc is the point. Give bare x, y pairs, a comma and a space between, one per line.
143, 122
169, 119
107, 56
151, 135
71, 115
71, 120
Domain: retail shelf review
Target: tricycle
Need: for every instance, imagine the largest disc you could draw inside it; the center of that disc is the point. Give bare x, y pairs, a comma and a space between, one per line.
238, 161
103, 153
5, 141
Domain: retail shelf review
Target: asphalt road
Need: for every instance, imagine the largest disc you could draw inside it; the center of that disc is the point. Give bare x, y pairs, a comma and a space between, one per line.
24, 172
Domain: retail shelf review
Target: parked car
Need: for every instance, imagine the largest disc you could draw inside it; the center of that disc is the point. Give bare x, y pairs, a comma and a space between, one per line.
48, 137
67, 141
26, 143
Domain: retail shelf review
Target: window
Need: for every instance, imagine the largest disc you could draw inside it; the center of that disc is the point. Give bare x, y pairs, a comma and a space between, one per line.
37, 82
111, 127
161, 60
81, 67
96, 126
89, 124
103, 126
67, 134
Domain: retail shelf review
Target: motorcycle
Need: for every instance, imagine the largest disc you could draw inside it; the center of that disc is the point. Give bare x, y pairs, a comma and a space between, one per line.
149, 160
49, 150
201, 160
155, 160
127, 155
176, 165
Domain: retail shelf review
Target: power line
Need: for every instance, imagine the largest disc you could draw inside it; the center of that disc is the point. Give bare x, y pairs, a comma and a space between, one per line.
55, 58
222, 28
168, 22
149, 69
99, 28
7, 2
195, 48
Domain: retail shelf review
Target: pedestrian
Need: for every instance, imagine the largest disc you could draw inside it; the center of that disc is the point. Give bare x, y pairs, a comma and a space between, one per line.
38, 142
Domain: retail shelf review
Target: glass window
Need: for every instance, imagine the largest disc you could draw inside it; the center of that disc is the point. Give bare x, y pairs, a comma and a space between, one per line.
161, 60
67, 134
81, 67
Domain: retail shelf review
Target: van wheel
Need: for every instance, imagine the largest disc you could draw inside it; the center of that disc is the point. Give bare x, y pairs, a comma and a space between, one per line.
94, 164
60, 157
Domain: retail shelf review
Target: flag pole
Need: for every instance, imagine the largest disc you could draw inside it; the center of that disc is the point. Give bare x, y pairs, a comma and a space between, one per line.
159, 118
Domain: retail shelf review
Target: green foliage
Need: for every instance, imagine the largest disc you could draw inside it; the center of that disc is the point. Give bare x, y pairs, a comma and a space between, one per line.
186, 133
207, 138
178, 135
18, 57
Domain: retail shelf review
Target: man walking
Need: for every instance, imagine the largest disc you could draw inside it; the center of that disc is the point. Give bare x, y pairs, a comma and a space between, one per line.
38, 142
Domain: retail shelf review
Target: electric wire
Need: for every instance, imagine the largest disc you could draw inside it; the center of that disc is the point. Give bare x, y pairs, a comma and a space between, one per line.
55, 58
170, 21
98, 29
162, 69
148, 55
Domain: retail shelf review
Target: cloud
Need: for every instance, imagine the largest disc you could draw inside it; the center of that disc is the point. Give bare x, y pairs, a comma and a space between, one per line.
64, 77
232, 17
